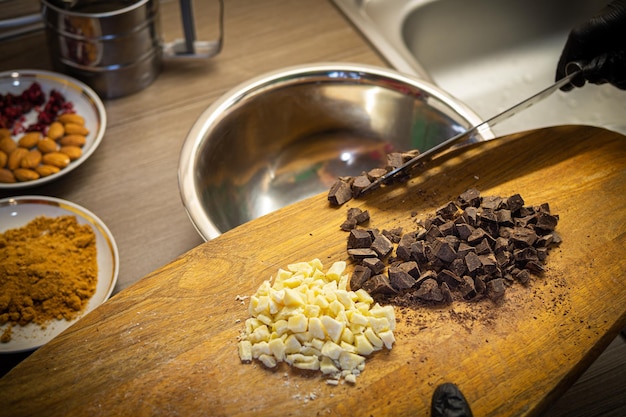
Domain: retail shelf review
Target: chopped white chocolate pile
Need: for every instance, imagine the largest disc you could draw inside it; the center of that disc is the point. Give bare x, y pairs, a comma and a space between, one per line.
311, 320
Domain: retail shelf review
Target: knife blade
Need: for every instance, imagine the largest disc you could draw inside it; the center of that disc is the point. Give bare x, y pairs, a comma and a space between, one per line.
449, 143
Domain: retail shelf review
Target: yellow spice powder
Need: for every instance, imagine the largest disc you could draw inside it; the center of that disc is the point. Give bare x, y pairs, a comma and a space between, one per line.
48, 271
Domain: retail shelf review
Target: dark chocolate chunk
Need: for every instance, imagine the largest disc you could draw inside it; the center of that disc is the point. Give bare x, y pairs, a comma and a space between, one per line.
544, 241
448, 211
376, 173
522, 276
515, 202
362, 217
448, 228
458, 266
535, 266
382, 246
483, 248
546, 221
542, 254
495, 289
339, 193
522, 236
348, 225
359, 276
446, 293
501, 244
359, 238
418, 252
504, 258
525, 221
403, 250
526, 254
450, 278
489, 265
428, 274
464, 249
361, 253
470, 197
467, 287
359, 183
429, 291
353, 212
395, 160
400, 279
472, 261
491, 202
443, 250
505, 218
393, 235
374, 264
378, 284
478, 235
410, 268
479, 285
488, 215
433, 232
470, 214
505, 232
463, 231
453, 241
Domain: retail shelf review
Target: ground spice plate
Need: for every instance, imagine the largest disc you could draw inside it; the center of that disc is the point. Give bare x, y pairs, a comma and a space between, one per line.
17, 212
83, 99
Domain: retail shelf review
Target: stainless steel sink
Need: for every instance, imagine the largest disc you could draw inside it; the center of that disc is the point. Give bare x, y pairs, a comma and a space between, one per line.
490, 54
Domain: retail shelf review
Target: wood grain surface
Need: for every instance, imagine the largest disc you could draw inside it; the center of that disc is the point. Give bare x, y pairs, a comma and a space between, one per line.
167, 345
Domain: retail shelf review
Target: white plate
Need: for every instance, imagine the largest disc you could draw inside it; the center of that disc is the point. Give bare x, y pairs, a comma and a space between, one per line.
17, 212
86, 103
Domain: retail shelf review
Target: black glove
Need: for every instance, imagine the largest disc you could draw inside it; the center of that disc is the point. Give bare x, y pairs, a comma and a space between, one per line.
448, 401
598, 46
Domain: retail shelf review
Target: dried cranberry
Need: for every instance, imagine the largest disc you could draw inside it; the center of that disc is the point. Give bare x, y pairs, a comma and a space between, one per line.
13, 108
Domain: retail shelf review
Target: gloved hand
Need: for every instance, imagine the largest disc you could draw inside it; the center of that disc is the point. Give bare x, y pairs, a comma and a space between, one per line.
599, 47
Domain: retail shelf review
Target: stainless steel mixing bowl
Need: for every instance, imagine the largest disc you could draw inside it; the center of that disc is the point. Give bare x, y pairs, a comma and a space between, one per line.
288, 135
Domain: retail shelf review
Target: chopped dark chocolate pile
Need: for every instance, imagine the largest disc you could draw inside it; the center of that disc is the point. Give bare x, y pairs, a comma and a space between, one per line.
345, 188
471, 248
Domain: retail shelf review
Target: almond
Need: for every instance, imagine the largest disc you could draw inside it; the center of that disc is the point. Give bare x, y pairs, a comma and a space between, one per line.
29, 140
56, 159
45, 170
73, 140
23, 174
6, 176
3, 159
74, 152
76, 129
7, 145
55, 131
15, 157
31, 159
47, 145
71, 118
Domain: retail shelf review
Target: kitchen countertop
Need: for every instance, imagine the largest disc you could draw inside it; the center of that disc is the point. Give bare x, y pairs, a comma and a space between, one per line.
130, 182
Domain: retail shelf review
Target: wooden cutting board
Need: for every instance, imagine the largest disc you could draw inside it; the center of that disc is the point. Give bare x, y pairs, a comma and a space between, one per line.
167, 345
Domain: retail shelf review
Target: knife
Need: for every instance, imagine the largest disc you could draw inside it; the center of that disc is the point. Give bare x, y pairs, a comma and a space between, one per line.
447, 144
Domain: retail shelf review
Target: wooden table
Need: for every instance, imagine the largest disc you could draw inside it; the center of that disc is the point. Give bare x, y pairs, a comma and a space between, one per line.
131, 180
